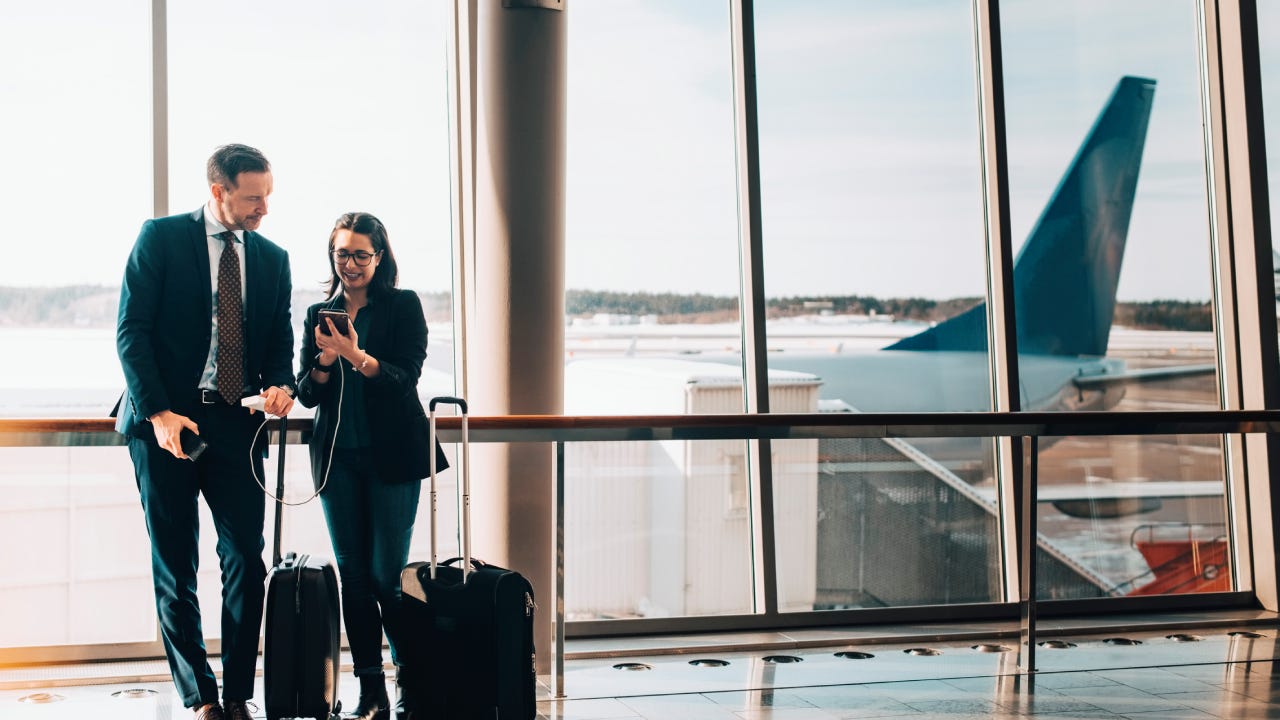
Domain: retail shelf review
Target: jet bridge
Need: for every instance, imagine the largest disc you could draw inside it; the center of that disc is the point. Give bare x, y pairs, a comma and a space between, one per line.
898, 527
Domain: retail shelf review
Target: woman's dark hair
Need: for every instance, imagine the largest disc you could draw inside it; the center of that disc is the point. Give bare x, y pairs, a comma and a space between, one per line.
387, 275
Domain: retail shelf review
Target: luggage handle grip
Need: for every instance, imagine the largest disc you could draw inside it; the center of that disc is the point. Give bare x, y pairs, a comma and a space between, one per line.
424, 572
445, 400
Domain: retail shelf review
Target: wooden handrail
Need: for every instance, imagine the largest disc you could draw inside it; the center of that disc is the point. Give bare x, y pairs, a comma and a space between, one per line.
549, 428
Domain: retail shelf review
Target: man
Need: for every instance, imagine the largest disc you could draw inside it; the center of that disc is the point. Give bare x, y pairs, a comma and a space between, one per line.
203, 323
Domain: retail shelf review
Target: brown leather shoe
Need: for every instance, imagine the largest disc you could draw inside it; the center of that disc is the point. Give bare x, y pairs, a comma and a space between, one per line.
237, 710
212, 711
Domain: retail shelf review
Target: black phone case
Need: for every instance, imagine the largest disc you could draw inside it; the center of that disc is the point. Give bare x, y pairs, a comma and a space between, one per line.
342, 322
192, 444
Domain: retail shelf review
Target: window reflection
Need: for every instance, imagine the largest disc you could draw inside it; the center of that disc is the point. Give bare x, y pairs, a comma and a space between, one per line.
1140, 515
886, 525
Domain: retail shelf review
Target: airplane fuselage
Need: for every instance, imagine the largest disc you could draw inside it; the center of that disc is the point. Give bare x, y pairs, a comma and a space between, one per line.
942, 381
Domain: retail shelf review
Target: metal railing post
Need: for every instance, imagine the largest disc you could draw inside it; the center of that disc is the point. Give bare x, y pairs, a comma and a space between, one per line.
1027, 487
557, 632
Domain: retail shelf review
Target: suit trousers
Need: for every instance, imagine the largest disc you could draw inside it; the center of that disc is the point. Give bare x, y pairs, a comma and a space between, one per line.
169, 489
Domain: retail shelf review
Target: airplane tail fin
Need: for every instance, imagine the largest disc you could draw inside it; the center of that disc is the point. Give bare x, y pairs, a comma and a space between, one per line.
1066, 274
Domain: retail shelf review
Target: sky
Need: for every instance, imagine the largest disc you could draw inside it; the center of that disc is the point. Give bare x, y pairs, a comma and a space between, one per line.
868, 127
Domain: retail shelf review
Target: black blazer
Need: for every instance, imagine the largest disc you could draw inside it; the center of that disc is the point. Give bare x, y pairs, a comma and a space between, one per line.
164, 325
397, 337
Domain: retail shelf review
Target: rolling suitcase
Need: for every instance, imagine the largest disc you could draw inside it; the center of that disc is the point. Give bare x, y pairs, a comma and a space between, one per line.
469, 624
300, 656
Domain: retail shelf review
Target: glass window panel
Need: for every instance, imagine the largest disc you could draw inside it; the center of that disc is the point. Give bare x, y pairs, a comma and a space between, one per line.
871, 200
349, 104
879, 522
873, 232
75, 140
1129, 279
1269, 50
59, 587
656, 529
73, 497
1136, 515
1107, 181
651, 221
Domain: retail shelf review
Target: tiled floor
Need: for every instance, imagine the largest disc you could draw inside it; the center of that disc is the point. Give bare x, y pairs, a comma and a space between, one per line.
1223, 674
1219, 675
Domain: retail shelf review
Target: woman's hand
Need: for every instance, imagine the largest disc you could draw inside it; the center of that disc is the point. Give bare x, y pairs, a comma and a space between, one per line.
328, 355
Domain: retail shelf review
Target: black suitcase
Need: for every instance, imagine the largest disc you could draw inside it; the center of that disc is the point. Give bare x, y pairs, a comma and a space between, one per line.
300, 656
470, 627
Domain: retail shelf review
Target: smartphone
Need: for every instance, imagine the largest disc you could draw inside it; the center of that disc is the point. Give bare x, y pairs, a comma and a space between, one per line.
192, 445
340, 320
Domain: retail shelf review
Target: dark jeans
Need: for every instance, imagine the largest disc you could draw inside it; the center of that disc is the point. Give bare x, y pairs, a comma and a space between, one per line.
170, 489
370, 523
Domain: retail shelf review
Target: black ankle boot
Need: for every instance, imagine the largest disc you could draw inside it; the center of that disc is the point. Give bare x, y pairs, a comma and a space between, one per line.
374, 704
405, 709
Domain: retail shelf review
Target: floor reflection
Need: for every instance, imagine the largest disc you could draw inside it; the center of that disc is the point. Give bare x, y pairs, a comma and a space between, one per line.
1227, 673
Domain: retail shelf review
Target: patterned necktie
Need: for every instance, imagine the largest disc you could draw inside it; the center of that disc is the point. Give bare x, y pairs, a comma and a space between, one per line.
230, 323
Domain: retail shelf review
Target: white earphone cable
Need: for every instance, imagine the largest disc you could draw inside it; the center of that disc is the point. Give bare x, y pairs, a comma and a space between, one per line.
342, 384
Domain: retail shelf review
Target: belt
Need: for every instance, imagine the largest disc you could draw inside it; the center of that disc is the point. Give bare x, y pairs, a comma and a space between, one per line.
213, 397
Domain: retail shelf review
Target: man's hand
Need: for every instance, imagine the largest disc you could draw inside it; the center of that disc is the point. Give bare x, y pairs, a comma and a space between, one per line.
278, 401
168, 426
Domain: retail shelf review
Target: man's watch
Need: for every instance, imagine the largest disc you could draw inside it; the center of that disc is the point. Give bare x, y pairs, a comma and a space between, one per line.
287, 390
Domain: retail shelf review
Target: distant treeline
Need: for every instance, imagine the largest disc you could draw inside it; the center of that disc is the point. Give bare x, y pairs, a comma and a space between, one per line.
95, 306
668, 307
66, 306
699, 308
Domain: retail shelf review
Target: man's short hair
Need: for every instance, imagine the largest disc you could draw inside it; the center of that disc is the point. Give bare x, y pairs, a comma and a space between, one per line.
227, 162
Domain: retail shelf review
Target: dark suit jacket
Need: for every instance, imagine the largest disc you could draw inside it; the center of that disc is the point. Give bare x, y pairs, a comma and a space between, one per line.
397, 337
165, 322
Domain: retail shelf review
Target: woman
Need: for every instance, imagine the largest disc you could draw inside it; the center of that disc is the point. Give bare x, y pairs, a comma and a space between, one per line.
369, 448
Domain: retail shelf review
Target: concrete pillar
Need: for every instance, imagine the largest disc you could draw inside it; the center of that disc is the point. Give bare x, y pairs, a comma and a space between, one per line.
515, 333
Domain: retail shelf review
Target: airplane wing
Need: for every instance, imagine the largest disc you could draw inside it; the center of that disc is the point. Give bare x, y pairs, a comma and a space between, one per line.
1120, 490
1121, 499
1144, 375
1124, 490
1117, 499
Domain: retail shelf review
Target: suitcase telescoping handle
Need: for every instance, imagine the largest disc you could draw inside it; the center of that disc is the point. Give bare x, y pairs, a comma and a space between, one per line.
275, 548
464, 508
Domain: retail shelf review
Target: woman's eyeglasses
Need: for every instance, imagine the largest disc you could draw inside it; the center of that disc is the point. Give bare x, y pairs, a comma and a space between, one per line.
360, 257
